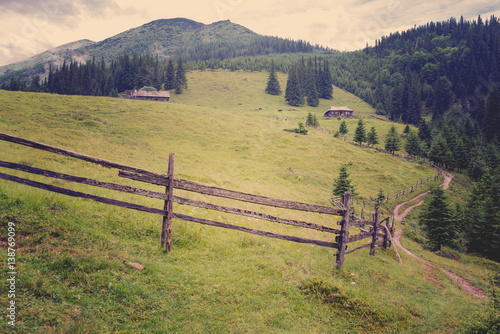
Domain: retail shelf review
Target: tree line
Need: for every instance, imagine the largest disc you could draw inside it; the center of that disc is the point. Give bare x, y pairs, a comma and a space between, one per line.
97, 78
246, 47
308, 81
473, 227
427, 69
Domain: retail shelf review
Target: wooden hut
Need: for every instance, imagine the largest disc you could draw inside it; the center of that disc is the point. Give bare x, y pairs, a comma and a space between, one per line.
339, 111
147, 95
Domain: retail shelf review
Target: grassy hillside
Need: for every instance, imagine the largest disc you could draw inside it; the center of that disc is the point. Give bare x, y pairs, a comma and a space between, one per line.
71, 252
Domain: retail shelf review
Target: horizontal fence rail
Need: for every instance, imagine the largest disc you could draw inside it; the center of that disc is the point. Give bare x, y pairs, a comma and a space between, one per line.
170, 183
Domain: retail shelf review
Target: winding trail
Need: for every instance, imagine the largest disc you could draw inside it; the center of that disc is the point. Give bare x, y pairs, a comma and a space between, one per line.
466, 285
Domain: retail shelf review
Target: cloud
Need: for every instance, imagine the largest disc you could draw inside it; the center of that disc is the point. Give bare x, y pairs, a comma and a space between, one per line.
68, 12
30, 25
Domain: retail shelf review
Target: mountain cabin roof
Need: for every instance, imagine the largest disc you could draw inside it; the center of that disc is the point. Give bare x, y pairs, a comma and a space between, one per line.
147, 95
338, 111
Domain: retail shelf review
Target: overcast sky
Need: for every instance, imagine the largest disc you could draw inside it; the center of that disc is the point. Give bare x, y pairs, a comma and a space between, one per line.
33, 26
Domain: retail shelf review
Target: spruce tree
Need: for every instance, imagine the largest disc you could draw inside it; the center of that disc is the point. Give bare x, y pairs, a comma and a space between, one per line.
372, 137
492, 114
293, 92
412, 145
392, 140
180, 77
436, 218
424, 132
343, 128
169, 82
360, 132
326, 82
396, 105
311, 90
414, 103
484, 213
312, 120
343, 183
443, 95
273, 85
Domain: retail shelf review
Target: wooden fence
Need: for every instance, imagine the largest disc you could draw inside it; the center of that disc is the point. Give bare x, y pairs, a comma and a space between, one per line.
368, 229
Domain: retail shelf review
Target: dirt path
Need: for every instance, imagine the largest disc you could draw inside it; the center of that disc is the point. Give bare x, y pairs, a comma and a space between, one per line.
466, 285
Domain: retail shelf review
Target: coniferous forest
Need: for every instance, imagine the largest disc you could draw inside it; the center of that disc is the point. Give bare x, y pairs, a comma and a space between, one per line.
100, 79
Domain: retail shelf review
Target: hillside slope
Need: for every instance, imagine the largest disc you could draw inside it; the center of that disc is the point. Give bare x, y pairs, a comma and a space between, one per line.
71, 252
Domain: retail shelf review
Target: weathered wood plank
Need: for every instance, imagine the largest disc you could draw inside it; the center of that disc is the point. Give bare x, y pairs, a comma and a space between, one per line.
357, 248
252, 214
123, 204
361, 222
360, 236
378, 243
68, 153
236, 195
73, 193
392, 243
169, 203
83, 180
256, 232
342, 243
376, 227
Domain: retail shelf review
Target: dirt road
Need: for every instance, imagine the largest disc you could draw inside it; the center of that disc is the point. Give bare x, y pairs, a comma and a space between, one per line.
466, 285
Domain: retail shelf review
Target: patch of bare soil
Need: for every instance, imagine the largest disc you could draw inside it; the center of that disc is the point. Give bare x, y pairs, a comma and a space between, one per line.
464, 284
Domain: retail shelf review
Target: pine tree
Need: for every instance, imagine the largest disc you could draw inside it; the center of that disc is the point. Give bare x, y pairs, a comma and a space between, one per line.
343, 128
343, 183
424, 132
484, 213
293, 92
412, 145
180, 77
436, 218
392, 140
396, 108
492, 114
440, 152
311, 90
312, 120
360, 132
372, 137
326, 90
169, 82
273, 85
414, 103
443, 95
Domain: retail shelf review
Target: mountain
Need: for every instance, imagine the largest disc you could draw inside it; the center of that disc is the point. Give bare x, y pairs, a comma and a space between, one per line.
56, 56
166, 37
163, 38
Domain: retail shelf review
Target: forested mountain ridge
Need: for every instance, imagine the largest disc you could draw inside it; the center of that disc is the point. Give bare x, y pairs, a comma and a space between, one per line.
426, 69
178, 37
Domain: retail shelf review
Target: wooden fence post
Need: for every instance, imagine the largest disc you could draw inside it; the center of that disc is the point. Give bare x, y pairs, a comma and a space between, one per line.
167, 220
344, 230
386, 235
376, 224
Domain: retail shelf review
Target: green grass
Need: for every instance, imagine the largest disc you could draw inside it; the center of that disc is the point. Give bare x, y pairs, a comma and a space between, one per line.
71, 252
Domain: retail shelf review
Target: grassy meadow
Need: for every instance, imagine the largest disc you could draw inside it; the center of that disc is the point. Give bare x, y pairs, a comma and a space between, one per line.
224, 132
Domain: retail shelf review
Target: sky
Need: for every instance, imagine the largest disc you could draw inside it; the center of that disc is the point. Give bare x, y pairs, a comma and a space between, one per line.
30, 27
